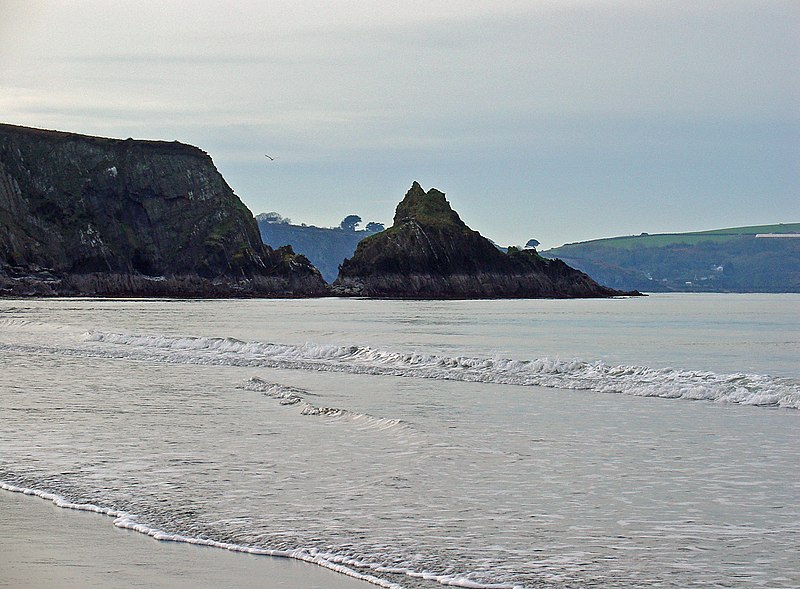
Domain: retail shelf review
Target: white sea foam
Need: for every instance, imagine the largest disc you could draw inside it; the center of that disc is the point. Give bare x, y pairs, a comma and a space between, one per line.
741, 388
343, 564
128, 522
294, 396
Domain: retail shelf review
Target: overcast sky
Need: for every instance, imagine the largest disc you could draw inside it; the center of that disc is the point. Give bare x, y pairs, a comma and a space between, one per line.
557, 120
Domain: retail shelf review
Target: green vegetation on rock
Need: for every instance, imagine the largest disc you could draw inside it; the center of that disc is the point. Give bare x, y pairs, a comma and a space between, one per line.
427, 208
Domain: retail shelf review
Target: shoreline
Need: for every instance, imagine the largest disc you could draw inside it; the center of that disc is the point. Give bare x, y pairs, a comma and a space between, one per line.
44, 546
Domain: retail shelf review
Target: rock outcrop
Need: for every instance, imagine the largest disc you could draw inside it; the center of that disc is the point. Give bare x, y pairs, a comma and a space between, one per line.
84, 215
430, 253
325, 247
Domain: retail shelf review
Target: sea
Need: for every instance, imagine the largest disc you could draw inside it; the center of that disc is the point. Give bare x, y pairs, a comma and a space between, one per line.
606, 443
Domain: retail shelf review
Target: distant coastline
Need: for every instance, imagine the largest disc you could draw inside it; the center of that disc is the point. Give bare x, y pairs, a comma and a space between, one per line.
761, 258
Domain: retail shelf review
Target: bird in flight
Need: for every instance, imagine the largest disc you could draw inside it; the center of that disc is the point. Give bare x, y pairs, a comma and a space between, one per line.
272, 159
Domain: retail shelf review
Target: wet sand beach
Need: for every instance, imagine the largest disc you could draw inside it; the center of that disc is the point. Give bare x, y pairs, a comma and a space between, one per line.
43, 546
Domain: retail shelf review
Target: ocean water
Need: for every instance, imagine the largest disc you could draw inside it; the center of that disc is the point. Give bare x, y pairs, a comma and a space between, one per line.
626, 443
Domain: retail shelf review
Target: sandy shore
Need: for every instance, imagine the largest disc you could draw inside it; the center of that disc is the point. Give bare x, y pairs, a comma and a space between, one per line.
45, 546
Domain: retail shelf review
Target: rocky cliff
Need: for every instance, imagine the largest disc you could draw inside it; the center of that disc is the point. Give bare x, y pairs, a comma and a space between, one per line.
429, 252
84, 215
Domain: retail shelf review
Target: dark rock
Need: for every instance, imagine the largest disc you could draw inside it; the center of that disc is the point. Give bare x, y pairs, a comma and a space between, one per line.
326, 248
430, 253
84, 215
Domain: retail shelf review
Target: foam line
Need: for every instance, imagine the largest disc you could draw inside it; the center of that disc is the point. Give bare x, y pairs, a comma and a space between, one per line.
128, 521
334, 562
739, 388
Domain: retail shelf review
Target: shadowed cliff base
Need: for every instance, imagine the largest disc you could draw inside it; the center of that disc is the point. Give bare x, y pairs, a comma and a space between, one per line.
46, 284
430, 253
92, 216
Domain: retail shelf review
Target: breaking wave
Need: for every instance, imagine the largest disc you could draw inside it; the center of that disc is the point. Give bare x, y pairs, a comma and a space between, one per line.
295, 396
740, 388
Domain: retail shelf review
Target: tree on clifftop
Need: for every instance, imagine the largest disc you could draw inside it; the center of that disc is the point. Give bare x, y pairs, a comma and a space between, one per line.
349, 222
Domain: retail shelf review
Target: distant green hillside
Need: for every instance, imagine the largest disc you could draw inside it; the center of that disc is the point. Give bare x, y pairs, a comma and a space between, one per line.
722, 260
664, 239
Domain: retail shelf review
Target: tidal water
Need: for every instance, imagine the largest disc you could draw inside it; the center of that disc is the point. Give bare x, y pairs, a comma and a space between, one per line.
625, 443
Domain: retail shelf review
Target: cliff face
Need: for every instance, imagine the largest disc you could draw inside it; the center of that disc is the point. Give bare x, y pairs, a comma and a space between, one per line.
85, 215
430, 253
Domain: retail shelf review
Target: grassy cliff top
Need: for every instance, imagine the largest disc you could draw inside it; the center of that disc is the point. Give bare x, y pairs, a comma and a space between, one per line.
664, 239
166, 147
